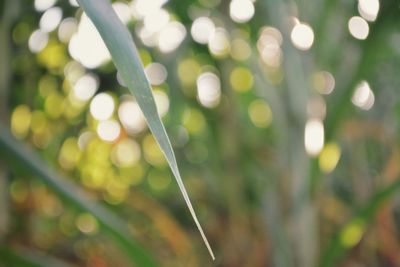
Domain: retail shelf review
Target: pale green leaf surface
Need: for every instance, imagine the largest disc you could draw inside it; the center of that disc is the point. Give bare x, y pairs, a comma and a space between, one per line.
125, 57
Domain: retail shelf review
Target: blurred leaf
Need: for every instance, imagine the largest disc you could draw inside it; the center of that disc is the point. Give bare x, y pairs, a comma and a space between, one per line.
373, 51
126, 58
355, 228
25, 158
27, 258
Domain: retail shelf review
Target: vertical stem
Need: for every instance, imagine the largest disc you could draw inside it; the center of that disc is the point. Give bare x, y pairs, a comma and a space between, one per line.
303, 214
10, 11
4, 75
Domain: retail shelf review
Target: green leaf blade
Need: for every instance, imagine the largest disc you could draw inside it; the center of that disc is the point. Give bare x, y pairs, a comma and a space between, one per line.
125, 57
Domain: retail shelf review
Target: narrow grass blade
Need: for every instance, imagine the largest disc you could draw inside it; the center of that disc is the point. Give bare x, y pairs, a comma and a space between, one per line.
337, 248
28, 258
19, 156
124, 54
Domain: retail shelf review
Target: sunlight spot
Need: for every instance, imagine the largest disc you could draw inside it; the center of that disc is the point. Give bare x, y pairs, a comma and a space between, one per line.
368, 9
67, 29
269, 35
73, 71
148, 38
86, 223
194, 121
21, 121
323, 82
352, 233
272, 55
269, 46
260, 113
47, 84
219, 42
126, 153
302, 36
152, 151
156, 73
120, 80
188, 71
162, 102
241, 10
69, 154
86, 87
102, 106
108, 130
42, 5
38, 41
171, 37
84, 140
50, 19
155, 22
73, 3
201, 30
39, 122
54, 105
208, 89
329, 157
241, 79
86, 46
314, 137
141, 8
358, 28
363, 96
116, 192
241, 50
131, 116
123, 11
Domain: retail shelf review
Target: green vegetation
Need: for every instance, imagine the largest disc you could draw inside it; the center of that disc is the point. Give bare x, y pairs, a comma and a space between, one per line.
282, 116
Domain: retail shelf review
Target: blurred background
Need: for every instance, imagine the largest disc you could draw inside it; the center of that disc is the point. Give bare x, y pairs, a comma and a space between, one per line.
284, 116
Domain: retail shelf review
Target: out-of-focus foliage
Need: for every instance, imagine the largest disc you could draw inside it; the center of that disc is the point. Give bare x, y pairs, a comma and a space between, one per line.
284, 117
126, 58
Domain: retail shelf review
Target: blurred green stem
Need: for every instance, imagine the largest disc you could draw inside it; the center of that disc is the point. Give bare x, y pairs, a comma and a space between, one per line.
8, 14
282, 253
28, 258
304, 228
